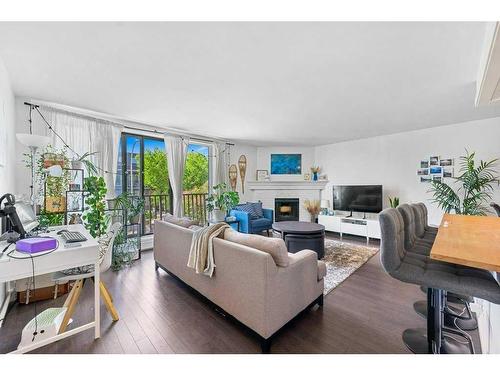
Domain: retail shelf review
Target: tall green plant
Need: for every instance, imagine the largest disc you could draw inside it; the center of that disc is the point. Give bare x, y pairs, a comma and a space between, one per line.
222, 199
475, 187
94, 217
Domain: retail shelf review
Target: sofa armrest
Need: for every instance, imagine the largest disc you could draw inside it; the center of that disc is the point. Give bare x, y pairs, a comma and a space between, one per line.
268, 214
244, 218
292, 289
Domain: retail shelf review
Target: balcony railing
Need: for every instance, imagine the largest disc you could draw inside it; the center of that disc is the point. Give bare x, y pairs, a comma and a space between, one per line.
156, 205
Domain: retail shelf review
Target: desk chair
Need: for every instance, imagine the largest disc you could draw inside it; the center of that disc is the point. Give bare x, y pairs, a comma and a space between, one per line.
80, 274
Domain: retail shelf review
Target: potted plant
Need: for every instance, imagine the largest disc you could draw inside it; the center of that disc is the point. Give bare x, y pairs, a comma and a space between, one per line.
132, 206
313, 207
394, 202
55, 186
474, 191
85, 161
221, 201
135, 209
51, 158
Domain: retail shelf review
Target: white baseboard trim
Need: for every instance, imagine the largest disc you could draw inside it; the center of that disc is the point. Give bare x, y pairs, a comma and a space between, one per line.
481, 309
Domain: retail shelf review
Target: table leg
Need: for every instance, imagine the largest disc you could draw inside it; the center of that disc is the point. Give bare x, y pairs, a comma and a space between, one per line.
97, 303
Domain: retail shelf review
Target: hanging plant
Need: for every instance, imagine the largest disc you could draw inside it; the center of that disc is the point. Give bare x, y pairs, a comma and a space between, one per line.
94, 216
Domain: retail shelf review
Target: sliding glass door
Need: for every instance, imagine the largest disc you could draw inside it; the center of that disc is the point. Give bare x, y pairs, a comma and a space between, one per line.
144, 173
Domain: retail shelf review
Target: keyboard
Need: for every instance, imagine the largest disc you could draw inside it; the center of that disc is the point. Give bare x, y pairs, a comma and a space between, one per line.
70, 237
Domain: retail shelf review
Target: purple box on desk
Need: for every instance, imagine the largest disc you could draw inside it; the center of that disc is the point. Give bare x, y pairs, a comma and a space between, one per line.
36, 244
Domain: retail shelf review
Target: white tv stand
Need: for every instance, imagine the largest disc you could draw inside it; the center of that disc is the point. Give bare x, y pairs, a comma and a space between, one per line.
369, 228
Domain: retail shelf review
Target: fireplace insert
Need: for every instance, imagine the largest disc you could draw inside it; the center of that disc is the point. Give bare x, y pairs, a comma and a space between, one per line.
286, 209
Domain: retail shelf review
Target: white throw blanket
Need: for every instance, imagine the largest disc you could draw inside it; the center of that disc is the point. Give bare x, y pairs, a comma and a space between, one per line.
201, 254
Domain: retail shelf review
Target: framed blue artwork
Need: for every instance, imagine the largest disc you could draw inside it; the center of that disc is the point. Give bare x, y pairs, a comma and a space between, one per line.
286, 163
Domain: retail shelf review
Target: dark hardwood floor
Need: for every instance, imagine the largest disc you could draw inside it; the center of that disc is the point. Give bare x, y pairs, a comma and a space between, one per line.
365, 314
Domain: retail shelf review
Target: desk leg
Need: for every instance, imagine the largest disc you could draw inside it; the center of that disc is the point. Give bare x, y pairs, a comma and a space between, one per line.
97, 303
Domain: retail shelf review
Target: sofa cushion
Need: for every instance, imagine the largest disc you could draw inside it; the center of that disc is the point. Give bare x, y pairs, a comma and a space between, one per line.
273, 246
181, 221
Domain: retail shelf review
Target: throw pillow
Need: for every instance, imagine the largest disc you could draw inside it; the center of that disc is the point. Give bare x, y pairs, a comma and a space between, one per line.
181, 221
246, 207
257, 209
273, 246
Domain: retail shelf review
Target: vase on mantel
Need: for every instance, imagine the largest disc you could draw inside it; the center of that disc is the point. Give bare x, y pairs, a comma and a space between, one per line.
315, 176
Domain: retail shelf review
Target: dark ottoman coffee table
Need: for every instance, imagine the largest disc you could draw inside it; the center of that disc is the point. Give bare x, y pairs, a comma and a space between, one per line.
300, 235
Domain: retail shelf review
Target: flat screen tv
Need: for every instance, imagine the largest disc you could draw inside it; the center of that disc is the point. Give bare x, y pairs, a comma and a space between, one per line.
357, 198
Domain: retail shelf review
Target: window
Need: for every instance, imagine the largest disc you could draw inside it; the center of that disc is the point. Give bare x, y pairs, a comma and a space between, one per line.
196, 182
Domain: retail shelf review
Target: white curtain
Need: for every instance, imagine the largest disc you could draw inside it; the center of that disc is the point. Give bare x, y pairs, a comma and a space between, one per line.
84, 134
176, 149
221, 153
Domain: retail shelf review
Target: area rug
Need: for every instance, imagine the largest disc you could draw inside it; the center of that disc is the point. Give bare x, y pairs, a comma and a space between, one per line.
342, 260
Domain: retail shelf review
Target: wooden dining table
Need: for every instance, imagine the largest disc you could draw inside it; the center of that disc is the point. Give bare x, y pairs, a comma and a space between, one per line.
472, 241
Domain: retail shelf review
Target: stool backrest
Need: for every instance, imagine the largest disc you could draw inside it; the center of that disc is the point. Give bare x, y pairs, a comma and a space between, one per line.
392, 249
425, 213
496, 207
409, 225
418, 213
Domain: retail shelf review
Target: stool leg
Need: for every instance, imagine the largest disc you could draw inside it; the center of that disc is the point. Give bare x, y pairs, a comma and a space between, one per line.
108, 302
71, 305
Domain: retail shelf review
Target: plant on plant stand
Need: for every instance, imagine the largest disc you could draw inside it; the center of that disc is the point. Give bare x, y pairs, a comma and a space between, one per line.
85, 161
474, 191
55, 186
94, 216
221, 201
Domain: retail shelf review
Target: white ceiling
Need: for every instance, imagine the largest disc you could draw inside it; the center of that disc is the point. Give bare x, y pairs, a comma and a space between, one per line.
262, 83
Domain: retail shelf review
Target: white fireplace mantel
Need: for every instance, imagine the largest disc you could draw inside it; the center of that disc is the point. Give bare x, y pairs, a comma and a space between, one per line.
286, 185
268, 191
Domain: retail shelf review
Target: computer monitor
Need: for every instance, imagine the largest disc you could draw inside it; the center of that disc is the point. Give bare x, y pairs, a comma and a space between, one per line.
26, 216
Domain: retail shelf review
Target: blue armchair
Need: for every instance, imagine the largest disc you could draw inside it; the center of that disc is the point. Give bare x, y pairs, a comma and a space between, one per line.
255, 226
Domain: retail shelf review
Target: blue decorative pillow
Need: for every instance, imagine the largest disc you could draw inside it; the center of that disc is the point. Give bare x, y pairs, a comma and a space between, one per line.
247, 207
257, 209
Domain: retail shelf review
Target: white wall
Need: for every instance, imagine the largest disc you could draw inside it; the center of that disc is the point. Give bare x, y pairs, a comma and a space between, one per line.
393, 160
250, 153
7, 129
264, 160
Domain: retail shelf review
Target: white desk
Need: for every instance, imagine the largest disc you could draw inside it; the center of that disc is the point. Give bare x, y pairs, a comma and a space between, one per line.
60, 259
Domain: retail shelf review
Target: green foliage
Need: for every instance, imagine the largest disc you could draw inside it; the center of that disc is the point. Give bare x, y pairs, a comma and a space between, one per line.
48, 219
394, 202
474, 191
94, 216
155, 171
124, 252
91, 168
131, 204
222, 198
196, 173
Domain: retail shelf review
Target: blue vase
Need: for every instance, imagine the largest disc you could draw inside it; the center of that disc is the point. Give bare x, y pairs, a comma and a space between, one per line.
315, 176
